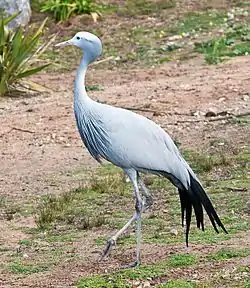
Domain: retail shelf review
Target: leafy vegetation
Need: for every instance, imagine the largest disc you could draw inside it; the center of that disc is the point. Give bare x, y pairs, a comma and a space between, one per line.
194, 22
217, 49
65, 209
18, 52
124, 278
178, 284
235, 42
21, 268
106, 200
142, 7
225, 254
63, 9
205, 162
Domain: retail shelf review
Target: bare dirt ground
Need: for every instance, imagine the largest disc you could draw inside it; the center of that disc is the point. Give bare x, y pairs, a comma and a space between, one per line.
38, 161
41, 150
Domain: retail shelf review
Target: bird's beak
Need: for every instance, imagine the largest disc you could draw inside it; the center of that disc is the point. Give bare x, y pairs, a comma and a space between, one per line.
63, 44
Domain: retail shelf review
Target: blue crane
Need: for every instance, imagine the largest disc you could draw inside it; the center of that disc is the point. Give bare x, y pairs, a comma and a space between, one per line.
137, 145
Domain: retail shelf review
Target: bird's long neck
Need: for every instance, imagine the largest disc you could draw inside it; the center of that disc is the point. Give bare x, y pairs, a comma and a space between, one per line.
79, 87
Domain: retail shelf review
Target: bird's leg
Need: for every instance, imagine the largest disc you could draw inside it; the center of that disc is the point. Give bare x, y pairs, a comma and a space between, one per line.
140, 206
132, 174
146, 194
113, 239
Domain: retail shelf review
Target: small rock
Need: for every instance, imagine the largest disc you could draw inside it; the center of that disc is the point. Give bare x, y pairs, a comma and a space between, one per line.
25, 256
24, 102
2, 106
211, 113
245, 97
195, 113
157, 113
136, 283
146, 284
174, 232
175, 37
223, 113
222, 99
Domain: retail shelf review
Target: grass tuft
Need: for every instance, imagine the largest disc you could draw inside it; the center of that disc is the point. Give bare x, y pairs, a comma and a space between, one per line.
202, 162
197, 22
20, 268
178, 284
65, 209
225, 254
178, 260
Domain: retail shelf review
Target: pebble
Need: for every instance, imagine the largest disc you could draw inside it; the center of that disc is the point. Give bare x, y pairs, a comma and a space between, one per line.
210, 113
245, 97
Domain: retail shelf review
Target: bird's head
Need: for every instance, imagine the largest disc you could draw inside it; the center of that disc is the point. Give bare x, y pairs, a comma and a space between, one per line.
90, 44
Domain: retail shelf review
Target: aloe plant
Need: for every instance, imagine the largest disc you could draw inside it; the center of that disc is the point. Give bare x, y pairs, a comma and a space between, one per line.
18, 50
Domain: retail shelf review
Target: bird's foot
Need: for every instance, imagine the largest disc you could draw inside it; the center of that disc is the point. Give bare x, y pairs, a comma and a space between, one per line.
110, 243
135, 264
148, 201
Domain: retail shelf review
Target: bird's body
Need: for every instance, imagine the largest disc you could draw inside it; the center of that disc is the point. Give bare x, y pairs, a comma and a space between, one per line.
128, 140
135, 144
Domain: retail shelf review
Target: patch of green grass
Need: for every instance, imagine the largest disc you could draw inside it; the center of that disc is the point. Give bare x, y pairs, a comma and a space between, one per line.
247, 284
3, 201
66, 208
181, 260
239, 32
177, 284
124, 277
196, 22
102, 282
93, 88
20, 268
225, 254
61, 237
26, 242
4, 249
243, 269
83, 208
204, 162
145, 7
242, 4
234, 43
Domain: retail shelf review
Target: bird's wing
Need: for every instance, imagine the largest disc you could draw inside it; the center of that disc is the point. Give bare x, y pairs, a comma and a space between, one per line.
135, 141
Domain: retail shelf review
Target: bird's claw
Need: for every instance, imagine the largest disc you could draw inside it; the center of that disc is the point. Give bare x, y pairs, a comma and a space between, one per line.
148, 201
110, 243
131, 265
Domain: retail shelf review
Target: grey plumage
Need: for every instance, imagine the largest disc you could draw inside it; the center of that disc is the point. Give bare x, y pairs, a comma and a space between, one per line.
136, 144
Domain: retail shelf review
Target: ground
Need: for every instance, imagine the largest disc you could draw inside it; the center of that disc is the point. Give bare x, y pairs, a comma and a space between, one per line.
57, 205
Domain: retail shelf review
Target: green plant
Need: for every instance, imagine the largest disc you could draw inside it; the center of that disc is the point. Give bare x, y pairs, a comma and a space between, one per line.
212, 50
67, 209
18, 50
63, 9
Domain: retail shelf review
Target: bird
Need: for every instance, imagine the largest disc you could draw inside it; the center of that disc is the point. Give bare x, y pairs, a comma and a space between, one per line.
137, 145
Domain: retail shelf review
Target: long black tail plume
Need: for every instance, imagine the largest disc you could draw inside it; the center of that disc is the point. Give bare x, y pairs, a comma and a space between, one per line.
195, 197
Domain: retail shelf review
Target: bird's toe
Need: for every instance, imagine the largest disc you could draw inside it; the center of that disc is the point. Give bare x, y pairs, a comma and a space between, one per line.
110, 243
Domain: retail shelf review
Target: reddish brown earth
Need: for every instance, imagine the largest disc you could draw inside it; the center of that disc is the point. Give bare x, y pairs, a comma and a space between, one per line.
39, 160
41, 150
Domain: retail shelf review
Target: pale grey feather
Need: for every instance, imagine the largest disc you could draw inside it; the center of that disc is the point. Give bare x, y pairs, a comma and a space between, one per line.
136, 144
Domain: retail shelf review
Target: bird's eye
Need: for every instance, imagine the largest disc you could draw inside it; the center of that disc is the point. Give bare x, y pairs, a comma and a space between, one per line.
78, 38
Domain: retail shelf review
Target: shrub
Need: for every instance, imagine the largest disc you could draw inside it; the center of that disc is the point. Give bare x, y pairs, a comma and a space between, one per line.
63, 9
18, 51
